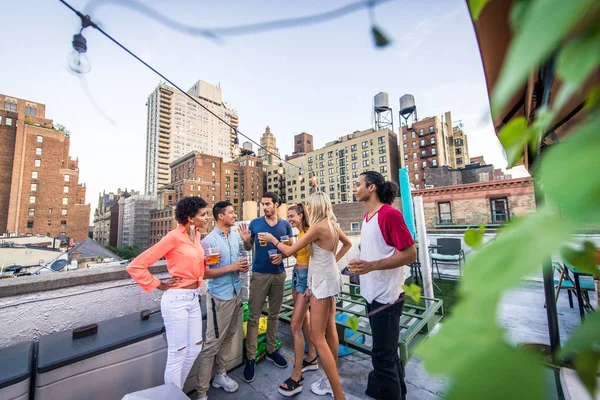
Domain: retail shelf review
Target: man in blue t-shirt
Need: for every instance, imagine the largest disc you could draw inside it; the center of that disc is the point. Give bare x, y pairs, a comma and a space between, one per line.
268, 279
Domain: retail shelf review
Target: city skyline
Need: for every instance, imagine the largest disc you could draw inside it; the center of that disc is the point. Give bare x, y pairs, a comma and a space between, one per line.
318, 79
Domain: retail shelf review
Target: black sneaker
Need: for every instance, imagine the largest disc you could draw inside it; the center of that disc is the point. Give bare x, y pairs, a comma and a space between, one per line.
249, 373
277, 359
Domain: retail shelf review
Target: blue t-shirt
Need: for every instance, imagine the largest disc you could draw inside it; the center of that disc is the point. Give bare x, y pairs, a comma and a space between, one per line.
261, 262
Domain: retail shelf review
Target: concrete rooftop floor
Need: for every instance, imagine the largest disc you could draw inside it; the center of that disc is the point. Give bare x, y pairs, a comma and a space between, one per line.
522, 312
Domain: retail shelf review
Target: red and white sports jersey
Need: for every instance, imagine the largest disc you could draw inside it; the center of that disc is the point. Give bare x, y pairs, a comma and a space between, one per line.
381, 236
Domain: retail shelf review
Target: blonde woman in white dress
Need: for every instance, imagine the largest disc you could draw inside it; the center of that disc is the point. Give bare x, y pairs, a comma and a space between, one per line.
324, 284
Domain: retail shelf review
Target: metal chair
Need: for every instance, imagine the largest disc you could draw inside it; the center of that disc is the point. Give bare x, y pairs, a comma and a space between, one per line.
565, 282
450, 251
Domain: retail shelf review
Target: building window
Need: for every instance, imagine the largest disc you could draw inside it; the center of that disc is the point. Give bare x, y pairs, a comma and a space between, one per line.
424, 164
365, 144
458, 142
414, 156
417, 187
65, 189
31, 199
432, 140
381, 149
355, 174
332, 196
65, 201
330, 154
40, 139
331, 179
355, 226
10, 106
459, 160
365, 154
63, 212
416, 177
433, 151
31, 212
499, 208
405, 146
214, 165
30, 111
321, 165
423, 153
67, 178
458, 151
34, 187
406, 156
38, 163
331, 188
365, 163
445, 212
383, 169
431, 130
383, 159
38, 151
63, 224
8, 121
404, 136
484, 177
415, 166
34, 175
29, 224
49, 222
330, 162
421, 133
422, 142
434, 162
414, 145
354, 165
310, 159
413, 134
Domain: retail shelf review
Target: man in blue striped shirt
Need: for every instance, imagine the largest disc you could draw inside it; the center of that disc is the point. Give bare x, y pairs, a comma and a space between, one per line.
224, 300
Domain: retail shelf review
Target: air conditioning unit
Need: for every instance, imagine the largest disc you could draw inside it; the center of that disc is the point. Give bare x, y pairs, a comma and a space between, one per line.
428, 186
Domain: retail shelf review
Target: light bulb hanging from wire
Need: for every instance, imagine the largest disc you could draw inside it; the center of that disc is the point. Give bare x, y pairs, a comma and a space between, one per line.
280, 170
77, 60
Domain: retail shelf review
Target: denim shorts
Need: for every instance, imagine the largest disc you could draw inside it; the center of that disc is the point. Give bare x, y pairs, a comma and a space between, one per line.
300, 280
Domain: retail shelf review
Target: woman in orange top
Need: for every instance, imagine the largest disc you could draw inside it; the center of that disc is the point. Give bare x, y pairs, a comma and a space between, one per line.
180, 307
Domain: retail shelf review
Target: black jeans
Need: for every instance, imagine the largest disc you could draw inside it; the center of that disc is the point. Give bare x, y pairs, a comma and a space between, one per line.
386, 381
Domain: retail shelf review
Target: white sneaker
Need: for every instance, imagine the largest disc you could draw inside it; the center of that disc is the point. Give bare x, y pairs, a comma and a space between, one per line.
225, 382
322, 387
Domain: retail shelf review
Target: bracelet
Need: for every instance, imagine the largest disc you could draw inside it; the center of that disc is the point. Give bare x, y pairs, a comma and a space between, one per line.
277, 243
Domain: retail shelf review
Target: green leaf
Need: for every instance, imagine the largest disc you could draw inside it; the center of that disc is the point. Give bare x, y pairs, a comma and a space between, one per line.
568, 175
516, 13
584, 338
584, 259
579, 58
513, 137
413, 291
522, 376
353, 323
544, 25
586, 365
591, 100
476, 6
379, 37
474, 237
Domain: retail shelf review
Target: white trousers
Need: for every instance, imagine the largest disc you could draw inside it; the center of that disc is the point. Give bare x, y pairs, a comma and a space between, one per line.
181, 312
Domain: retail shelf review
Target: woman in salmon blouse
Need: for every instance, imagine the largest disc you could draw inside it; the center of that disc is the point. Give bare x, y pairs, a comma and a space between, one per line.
180, 307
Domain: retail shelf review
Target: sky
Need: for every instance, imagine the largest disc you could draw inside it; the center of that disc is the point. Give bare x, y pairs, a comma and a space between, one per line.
319, 79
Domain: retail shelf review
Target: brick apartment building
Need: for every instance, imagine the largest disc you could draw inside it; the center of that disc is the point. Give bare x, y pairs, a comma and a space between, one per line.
39, 183
430, 143
197, 174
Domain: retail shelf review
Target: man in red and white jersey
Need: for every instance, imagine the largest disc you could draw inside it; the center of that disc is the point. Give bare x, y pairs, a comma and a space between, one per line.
386, 247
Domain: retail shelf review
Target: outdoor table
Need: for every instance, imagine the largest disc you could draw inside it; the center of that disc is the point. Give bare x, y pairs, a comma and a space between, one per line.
576, 274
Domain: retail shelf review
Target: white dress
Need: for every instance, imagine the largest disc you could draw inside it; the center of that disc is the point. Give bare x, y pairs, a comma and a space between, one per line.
324, 277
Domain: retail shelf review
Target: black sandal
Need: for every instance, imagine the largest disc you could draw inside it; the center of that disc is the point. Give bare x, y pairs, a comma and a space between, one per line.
292, 387
310, 365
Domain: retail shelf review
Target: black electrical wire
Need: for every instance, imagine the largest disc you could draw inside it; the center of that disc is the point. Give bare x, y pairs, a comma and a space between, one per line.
86, 21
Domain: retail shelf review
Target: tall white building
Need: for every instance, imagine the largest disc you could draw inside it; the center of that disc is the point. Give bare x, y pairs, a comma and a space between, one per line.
177, 125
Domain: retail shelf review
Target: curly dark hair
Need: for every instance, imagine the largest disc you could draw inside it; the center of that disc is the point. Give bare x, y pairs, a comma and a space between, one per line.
188, 207
387, 191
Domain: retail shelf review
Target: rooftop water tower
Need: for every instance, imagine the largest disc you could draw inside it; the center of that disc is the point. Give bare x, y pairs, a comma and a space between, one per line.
408, 109
384, 118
